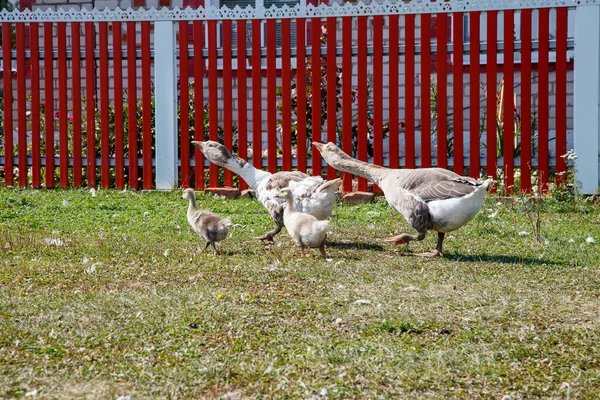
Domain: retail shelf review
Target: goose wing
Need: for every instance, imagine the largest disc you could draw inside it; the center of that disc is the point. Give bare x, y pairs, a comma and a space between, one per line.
452, 188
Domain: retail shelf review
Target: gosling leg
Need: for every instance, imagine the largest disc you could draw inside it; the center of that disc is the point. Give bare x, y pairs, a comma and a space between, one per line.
322, 250
205, 247
217, 252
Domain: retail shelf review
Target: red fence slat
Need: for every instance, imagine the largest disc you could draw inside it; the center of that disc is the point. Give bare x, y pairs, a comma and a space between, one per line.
286, 101
36, 180
393, 92
544, 33
425, 91
21, 104
362, 96
184, 106
316, 92
347, 95
491, 71
104, 102
474, 95
213, 99
378, 90
331, 87
409, 91
526, 19
63, 105
90, 103
146, 108
8, 105
508, 112
561, 94
227, 96
256, 96
198, 103
242, 95
132, 128
118, 96
49, 104
76, 102
271, 96
442, 81
457, 93
301, 92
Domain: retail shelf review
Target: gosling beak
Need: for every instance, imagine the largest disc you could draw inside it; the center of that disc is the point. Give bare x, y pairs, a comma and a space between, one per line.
198, 144
319, 146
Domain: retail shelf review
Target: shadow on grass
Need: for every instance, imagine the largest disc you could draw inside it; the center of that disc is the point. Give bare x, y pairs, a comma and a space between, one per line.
354, 246
500, 259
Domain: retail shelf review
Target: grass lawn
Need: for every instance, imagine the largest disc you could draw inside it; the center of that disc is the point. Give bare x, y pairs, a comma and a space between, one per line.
106, 296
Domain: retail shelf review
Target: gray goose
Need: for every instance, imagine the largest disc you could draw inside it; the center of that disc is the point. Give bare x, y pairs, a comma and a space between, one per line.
428, 198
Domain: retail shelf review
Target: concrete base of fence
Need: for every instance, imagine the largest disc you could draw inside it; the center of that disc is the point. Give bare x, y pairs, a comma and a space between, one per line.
227, 192
358, 198
248, 194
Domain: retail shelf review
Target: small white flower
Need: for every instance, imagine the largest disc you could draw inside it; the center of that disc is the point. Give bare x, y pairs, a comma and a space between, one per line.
523, 233
590, 239
65, 203
31, 393
86, 260
146, 213
323, 392
338, 321
54, 242
93, 192
571, 240
362, 301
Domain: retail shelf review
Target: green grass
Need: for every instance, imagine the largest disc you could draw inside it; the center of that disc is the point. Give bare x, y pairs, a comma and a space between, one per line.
128, 307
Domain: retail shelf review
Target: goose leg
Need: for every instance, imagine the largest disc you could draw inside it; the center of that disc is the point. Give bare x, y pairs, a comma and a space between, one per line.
269, 235
405, 238
438, 250
205, 247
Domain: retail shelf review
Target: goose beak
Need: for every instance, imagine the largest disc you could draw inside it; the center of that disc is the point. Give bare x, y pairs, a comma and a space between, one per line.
319, 146
198, 144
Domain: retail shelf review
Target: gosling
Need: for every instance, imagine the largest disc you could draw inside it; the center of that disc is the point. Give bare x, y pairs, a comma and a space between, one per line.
209, 226
304, 229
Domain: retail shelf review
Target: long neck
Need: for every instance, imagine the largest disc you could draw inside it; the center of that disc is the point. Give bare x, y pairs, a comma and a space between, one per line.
290, 204
247, 171
192, 205
372, 173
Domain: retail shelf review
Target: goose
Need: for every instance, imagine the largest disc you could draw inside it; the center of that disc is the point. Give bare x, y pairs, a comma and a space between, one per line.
428, 198
209, 226
305, 229
311, 194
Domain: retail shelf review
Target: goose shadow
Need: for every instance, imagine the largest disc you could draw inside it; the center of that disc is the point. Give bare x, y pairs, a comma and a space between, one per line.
501, 259
354, 246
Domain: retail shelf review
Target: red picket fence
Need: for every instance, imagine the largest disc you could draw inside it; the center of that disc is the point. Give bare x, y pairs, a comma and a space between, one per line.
402, 91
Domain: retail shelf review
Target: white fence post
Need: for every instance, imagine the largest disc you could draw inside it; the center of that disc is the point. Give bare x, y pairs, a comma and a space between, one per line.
587, 97
165, 78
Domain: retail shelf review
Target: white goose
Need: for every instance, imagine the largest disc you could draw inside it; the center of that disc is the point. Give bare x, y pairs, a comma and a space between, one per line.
428, 198
312, 195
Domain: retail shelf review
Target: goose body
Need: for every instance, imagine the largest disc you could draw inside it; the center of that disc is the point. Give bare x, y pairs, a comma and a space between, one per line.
429, 198
305, 229
311, 194
206, 224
